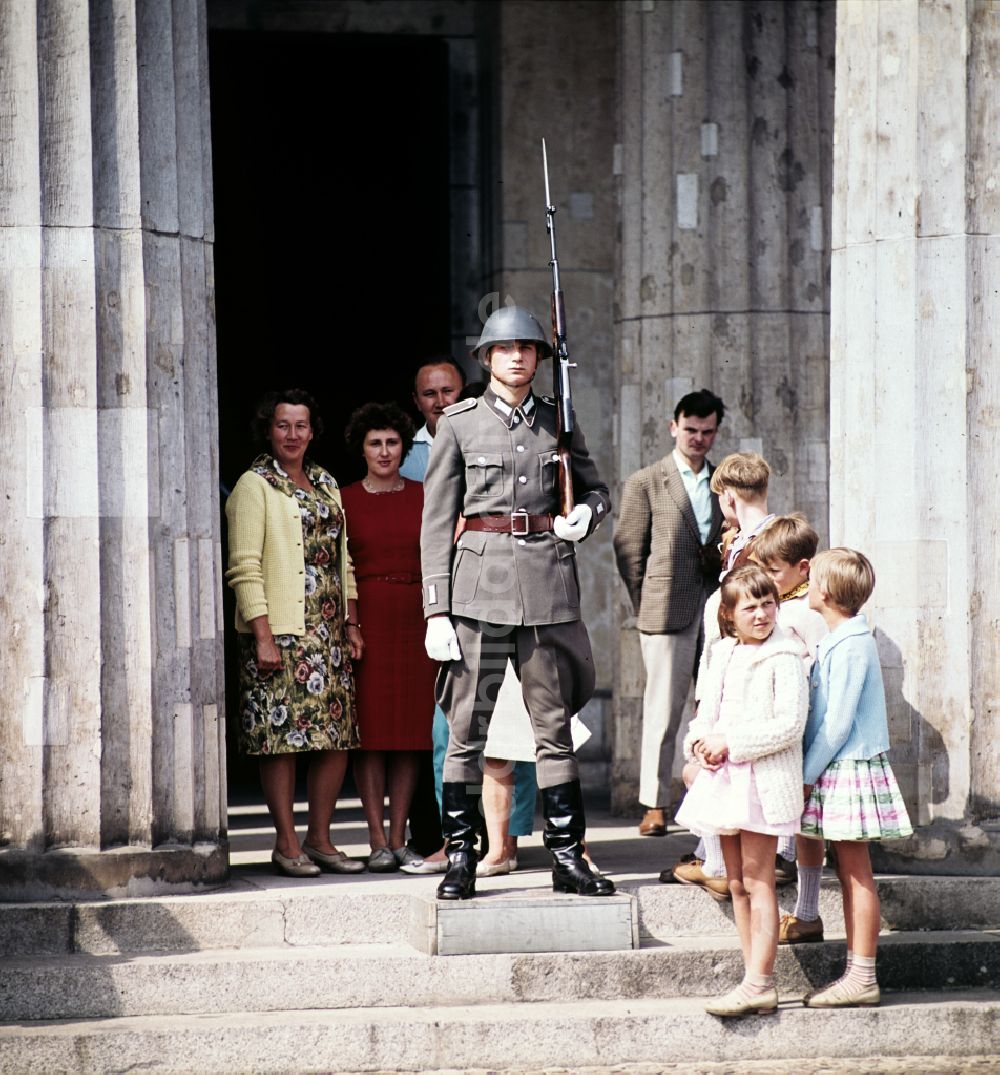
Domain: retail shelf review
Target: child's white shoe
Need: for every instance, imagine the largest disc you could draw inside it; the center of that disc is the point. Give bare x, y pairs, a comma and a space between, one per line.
739, 1002
844, 994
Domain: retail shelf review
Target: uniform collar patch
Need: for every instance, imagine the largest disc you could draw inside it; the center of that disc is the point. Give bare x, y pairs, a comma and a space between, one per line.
511, 415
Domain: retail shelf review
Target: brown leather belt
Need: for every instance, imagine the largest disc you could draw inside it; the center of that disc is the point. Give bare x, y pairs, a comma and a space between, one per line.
520, 522
405, 577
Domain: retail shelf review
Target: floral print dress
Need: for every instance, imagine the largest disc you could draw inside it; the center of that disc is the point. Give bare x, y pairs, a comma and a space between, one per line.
308, 704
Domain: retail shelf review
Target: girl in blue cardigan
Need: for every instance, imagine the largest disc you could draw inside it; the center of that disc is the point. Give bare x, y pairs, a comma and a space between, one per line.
851, 794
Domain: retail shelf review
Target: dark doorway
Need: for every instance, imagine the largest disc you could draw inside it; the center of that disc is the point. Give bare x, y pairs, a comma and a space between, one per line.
330, 162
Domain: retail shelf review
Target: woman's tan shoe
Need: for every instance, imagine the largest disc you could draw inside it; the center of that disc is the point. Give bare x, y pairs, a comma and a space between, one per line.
492, 869
300, 866
338, 862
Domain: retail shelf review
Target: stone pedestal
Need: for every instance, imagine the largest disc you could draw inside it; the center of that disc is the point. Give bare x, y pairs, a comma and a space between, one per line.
532, 923
111, 757
915, 396
724, 118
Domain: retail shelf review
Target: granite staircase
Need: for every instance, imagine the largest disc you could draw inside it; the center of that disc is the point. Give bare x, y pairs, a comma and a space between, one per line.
372, 974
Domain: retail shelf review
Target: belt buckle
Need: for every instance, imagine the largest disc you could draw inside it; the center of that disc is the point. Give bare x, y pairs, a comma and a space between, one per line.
513, 528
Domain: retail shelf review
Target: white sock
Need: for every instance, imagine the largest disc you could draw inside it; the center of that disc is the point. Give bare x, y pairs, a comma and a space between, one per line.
807, 901
755, 984
715, 864
786, 848
860, 971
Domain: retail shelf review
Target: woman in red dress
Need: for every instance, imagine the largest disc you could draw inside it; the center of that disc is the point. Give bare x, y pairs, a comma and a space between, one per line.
395, 681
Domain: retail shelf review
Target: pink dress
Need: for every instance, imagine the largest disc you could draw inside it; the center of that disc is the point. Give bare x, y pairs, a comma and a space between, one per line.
723, 802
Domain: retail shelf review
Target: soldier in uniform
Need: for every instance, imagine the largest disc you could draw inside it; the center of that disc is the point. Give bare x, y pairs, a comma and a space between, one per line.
508, 588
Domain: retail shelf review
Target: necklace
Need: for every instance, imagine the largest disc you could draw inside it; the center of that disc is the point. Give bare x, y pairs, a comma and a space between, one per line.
397, 487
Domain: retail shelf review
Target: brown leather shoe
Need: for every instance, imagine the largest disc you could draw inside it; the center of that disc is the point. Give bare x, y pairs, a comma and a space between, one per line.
690, 873
792, 930
667, 875
654, 822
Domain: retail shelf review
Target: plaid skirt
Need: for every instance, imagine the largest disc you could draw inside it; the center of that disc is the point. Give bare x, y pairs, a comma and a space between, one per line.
857, 799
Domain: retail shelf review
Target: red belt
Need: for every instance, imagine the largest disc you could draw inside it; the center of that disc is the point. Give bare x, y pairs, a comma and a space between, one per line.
520, 522
405, 577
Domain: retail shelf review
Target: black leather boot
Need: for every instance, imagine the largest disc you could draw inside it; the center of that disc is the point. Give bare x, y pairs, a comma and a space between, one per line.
565, 826
459, 822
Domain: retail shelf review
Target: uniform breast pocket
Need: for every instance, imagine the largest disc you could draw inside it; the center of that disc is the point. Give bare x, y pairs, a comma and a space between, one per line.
548, 469
484, 475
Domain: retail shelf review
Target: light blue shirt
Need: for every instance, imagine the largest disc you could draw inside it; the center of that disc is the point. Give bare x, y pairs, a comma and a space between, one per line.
698, 492
847, 716
415, 464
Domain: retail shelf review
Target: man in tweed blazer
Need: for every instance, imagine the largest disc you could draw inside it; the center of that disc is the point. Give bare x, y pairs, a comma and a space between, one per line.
666, 541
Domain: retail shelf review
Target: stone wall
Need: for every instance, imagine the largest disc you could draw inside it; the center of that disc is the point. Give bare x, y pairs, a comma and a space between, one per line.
724, 127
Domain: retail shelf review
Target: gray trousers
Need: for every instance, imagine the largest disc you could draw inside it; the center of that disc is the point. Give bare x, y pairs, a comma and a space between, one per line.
670, 662
556, 668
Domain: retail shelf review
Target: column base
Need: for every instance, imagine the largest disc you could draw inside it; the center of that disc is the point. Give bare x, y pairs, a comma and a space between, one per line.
121, 872
944, 848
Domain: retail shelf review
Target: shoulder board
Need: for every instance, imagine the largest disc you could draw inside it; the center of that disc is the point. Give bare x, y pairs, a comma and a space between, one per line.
462, 405
548, 399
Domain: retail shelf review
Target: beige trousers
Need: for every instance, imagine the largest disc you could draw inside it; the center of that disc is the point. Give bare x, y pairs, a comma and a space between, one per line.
671, 661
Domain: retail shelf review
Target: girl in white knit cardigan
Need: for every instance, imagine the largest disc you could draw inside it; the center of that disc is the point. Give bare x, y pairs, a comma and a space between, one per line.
747, 738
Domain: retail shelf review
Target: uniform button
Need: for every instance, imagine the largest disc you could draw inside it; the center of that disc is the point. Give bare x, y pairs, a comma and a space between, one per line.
555, 457
481, 459
523, 480
521, 541
519, 448
460, 545
513, 421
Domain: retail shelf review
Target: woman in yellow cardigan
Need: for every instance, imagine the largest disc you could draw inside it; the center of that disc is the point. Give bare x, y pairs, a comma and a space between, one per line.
297, 618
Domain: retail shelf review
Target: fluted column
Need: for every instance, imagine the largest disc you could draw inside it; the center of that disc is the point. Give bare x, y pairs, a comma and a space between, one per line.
725, 114
915, 397
110, 753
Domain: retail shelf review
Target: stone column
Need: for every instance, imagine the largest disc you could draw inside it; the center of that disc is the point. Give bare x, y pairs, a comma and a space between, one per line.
111, 777
724, 115
915, 397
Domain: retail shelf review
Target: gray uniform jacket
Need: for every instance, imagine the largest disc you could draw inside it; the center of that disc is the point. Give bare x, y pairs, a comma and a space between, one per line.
660, 554
488, 459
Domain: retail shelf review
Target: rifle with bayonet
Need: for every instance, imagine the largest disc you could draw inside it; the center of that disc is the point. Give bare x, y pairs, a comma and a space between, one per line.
561, 364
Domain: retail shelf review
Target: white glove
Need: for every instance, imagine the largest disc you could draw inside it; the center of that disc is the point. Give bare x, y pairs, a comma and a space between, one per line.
441, 642
573, 527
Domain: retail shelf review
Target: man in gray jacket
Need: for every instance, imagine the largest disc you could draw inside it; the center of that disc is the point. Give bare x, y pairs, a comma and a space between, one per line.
508, 588
666, 541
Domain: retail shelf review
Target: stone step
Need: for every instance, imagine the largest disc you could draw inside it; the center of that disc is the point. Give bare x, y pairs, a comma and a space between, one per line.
359, 976
551, 1034
343, 910
908, 903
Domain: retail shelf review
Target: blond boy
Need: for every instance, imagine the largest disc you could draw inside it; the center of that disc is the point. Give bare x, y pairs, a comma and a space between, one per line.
784, 548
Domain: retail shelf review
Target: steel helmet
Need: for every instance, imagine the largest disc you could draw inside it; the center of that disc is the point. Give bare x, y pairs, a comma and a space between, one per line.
512, 323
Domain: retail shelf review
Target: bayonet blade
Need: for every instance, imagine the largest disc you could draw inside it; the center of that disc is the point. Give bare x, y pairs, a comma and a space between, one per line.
545, 168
